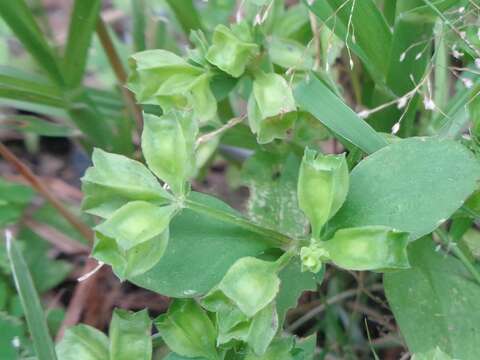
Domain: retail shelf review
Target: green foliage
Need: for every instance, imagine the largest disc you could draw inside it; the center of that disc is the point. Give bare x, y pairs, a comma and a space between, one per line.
295, 73
435, 303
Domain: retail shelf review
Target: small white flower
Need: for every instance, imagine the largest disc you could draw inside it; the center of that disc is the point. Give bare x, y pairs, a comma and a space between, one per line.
364, 114
402, 102
16, 342
461, 10
402, 56
310, 2
428, 103
418, 56
463, 34
395, 128
477, 63
467, 82
457, 54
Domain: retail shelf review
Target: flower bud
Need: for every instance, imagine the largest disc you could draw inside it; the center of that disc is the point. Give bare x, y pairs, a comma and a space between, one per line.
322, 187
312, 257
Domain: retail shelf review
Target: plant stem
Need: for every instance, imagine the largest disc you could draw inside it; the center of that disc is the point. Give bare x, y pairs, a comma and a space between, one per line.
120, 72
447, 240
43, 190
275, 238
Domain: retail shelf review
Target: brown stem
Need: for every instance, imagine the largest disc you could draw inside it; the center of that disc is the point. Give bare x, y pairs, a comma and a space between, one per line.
45, 192
119, 71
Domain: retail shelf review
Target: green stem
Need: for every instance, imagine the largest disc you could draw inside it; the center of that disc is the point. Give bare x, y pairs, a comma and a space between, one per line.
275, 238
445, 238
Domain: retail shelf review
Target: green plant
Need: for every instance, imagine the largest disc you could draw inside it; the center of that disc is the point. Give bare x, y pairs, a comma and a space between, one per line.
377, 207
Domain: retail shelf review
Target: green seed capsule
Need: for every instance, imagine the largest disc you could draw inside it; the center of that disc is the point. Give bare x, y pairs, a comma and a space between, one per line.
271, 107
369, 248
168, 146
187, 330
232, 49
322, 187
159, 77
250, 284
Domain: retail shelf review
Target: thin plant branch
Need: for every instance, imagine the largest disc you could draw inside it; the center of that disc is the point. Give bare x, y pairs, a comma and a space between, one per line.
458, 252
209, 136
120, 73
45, 192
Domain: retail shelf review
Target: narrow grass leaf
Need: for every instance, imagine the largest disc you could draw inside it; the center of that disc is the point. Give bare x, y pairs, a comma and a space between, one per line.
21, 21
30, 302
82, 25
316, 98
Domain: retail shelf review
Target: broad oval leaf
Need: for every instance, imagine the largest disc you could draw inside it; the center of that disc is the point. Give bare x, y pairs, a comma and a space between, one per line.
412, 185
435, 304
199, 253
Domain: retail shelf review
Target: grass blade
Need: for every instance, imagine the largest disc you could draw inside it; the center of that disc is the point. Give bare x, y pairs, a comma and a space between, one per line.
316, 98
186, 14
367, 24
82, 25
21, 21
139, 24
32, 307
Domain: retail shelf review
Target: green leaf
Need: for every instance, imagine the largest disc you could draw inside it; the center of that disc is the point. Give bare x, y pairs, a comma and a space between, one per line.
168, 144
408, 186
83, 22
263, 328
83, 342
271, 107
139, 24
115, 180
186, 14
272, 180
316, 98
13, 200
188, 330
30, 302
130, 335
434, 354
278, 350
200, 251
134, 261
232, 49
21, 21
136, 222
322, 187
368, 248
36, 125
10, 328
251, 284
435, 304
46, 273
290, 54
17, 85
293, 283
